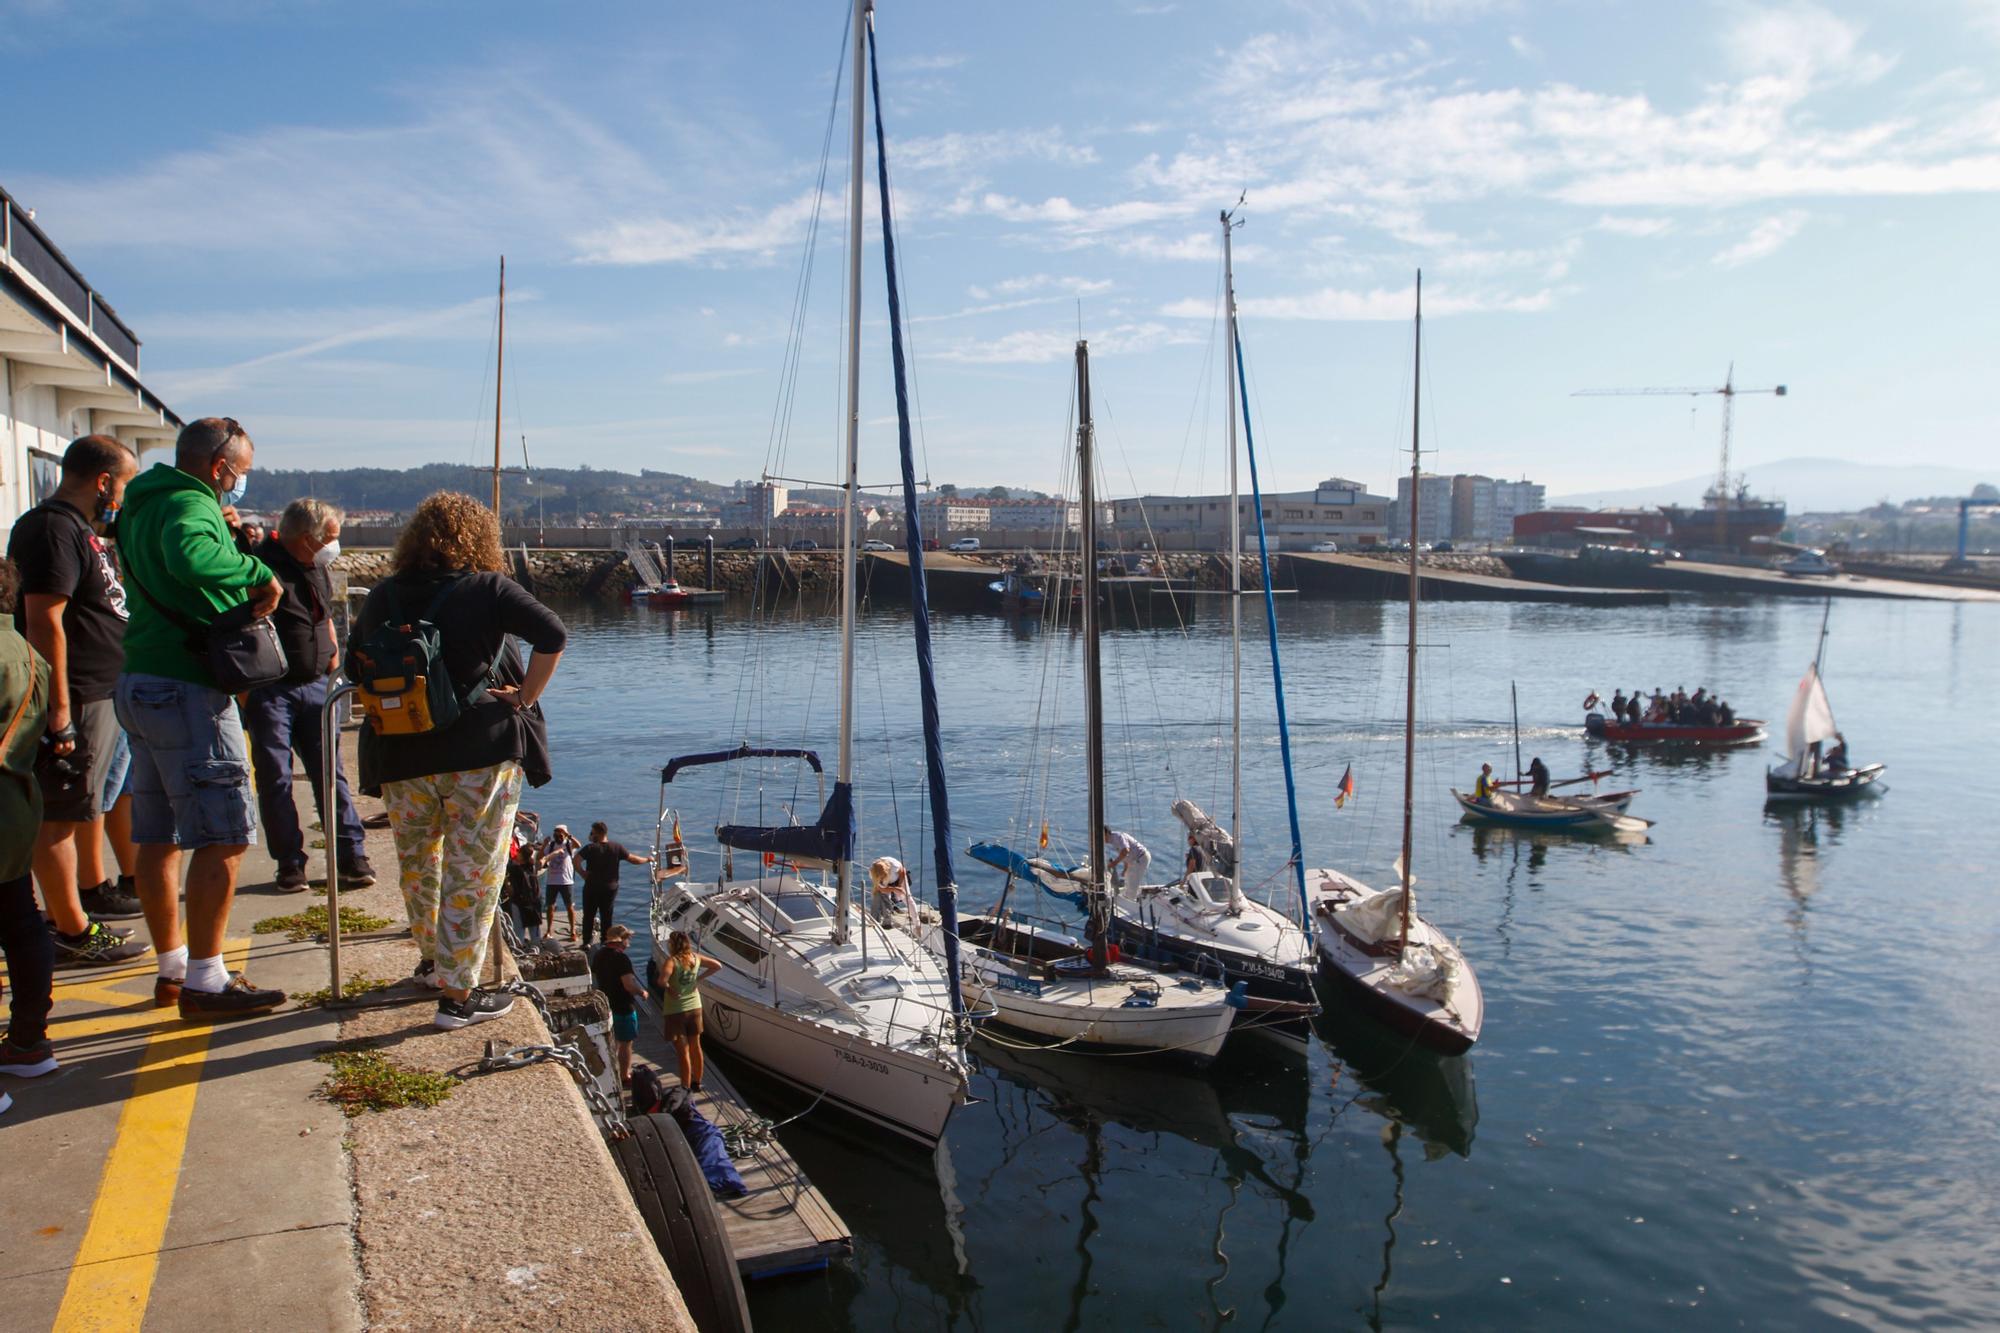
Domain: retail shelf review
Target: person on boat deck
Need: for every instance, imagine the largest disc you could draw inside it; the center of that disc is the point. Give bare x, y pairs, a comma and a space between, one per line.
892, 887
680, 1003
1637, 708
1129, 858
1658, 711
1486, 786
611, 972
1836, 758
1617, 708
1194, 863
1538, 777
1725, 714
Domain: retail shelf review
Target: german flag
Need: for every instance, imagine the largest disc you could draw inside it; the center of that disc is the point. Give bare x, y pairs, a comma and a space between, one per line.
1345, 789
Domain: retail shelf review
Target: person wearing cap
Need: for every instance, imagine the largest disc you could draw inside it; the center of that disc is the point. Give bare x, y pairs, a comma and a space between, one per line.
892, 887
559, 858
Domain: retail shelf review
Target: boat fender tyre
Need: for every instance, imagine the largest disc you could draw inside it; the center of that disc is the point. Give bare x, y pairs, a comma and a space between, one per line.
672, 1195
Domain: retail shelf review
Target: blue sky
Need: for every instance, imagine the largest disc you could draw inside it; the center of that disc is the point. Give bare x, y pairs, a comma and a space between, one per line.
299, 207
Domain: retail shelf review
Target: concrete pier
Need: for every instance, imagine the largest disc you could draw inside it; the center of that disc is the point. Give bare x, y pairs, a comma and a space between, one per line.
1327, 574
177, 1176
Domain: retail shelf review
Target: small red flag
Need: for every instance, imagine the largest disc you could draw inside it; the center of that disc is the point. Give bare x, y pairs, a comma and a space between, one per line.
1345, 789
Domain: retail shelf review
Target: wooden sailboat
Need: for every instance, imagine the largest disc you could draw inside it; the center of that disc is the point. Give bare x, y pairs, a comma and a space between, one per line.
1390, 962
814, 990
1049, 984
1203, 919
1599, 812
1815, 766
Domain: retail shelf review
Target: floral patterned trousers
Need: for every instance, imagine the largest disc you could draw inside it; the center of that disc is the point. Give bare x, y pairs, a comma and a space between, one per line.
451, 833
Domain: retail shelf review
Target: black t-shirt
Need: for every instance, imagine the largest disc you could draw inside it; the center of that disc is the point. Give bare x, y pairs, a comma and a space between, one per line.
61, 555
600, 862
302, 614
608, 969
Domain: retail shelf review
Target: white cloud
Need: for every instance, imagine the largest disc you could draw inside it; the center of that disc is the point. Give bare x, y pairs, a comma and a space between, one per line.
1040, 346
1631, 226
1765, 239
1382, 303
959, 151
1523, 48
709, 236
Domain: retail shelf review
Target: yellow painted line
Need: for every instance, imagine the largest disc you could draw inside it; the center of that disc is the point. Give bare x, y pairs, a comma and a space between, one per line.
111, 1279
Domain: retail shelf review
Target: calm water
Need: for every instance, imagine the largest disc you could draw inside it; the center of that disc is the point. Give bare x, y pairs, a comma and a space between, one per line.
1744, 1072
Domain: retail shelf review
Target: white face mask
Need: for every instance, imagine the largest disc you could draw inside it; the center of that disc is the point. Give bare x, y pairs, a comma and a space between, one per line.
327, 554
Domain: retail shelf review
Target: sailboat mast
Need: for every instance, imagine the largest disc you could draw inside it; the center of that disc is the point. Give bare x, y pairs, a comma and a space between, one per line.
1093, 674
1235, 579
1515, 686
499, 369
1819, 653
843, 872
1410, 674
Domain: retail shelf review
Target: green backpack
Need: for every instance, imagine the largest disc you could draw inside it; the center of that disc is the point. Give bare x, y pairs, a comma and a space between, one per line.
399, 671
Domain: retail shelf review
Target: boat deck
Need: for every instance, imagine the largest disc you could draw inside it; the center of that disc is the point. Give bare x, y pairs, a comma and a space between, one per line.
783, 1225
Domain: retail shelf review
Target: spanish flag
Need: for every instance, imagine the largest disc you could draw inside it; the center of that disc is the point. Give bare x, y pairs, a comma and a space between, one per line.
1345, 789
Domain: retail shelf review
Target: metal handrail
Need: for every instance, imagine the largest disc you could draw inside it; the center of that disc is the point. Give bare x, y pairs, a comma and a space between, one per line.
329, 791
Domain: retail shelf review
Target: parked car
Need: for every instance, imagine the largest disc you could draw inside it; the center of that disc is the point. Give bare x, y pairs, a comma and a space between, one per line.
740, 544
931, 543
803, 544
1441, 546
1324, 546
876, 544
966, 544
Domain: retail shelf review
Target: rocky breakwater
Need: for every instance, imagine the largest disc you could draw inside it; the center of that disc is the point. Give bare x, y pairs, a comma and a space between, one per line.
607, 576
1457, 562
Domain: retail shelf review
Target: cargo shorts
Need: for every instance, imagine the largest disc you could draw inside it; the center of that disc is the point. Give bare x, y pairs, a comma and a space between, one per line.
190, 767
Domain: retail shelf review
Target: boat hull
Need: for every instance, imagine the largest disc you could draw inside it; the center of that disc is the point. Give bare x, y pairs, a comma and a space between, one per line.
1262, 978
1574, 820
1844, 786
1749, 731
1362, 979
862, 1078
1386, 1009
1195, 1034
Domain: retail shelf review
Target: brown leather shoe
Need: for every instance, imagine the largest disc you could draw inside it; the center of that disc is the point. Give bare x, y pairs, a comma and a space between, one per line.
166, 993
239, 999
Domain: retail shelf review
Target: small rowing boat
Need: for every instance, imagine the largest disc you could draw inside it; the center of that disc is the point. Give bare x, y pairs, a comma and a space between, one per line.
1582, 814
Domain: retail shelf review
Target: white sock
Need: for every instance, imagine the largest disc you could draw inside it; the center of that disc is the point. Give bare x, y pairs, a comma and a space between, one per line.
207, 974
174, 964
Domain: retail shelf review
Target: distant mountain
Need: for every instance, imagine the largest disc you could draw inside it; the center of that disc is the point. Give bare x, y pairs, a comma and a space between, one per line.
1805, 485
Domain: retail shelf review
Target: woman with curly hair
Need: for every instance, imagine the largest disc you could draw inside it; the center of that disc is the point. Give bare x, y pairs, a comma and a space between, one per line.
452, 793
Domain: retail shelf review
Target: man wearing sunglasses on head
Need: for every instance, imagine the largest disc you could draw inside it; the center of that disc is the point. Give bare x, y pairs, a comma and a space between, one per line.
191, 784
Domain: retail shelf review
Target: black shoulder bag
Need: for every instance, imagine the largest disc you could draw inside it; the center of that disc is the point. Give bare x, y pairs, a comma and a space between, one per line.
240, 647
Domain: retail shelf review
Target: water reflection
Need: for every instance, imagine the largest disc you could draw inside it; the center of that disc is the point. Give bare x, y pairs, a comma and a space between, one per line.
1248, 1111
1430, 1095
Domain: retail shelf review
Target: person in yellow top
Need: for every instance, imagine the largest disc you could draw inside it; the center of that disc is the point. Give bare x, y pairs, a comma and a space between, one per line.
680, 1002
1486, 786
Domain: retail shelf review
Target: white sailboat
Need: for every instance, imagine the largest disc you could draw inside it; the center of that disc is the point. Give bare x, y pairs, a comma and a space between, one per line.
812, 989
1393, 964
1816, 766
1203, 919
1050, 984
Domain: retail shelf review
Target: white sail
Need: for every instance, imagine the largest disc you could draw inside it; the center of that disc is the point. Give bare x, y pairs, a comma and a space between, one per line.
1811, 716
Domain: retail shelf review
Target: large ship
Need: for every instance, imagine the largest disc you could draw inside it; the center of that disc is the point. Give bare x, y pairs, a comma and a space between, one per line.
1724, 520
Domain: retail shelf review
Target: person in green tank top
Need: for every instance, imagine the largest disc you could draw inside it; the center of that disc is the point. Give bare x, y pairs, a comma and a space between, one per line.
680, 1002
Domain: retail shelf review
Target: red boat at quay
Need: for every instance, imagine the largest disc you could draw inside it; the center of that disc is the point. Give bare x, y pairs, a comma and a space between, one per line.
1743, 731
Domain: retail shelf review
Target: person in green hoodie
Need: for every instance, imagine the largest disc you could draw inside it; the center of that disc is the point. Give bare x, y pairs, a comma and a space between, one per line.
191, 787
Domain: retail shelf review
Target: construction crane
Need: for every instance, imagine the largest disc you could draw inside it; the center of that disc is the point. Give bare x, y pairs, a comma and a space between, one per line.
1729, 391
1960, 563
